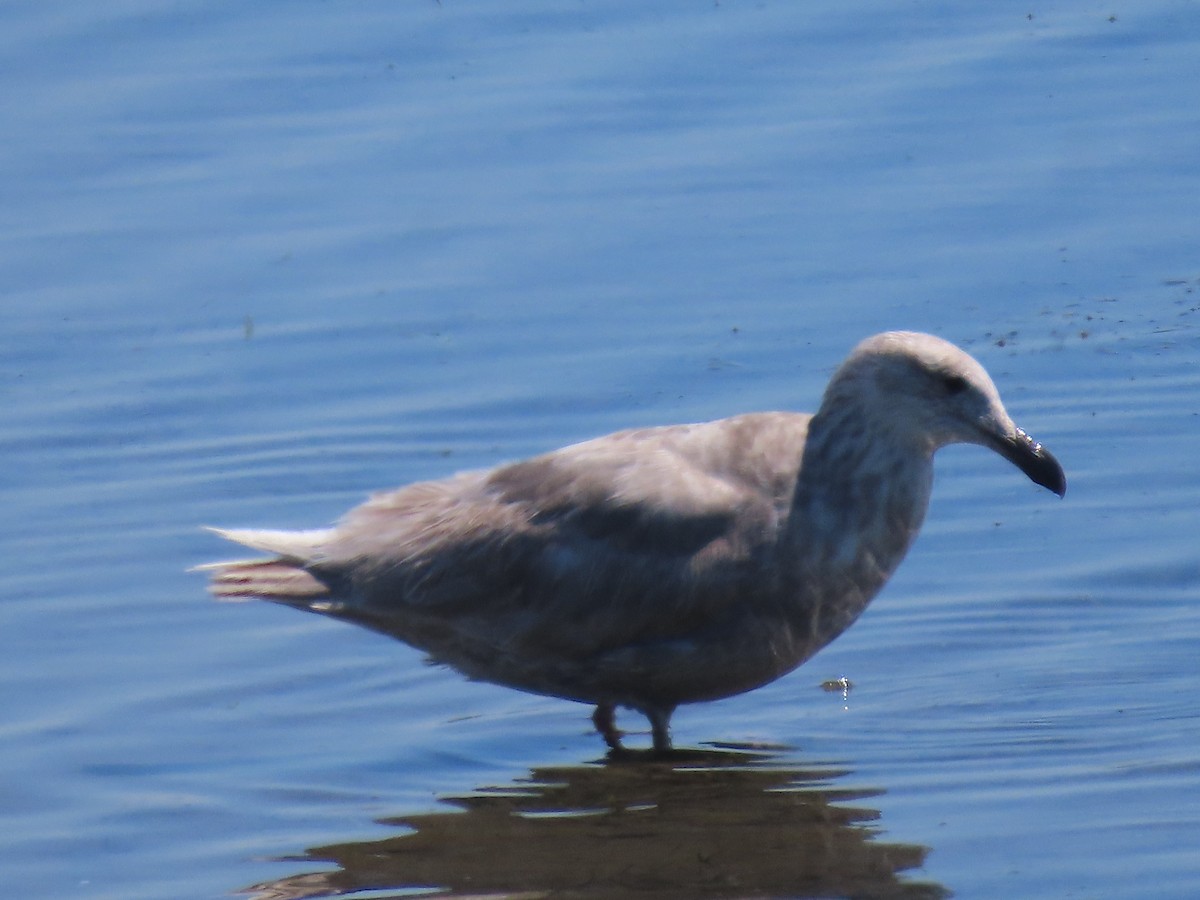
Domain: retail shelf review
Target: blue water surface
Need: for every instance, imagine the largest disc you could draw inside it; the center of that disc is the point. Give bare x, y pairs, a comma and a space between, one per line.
261, 259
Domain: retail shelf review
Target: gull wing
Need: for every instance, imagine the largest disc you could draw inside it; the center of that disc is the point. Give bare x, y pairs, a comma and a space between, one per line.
642, 532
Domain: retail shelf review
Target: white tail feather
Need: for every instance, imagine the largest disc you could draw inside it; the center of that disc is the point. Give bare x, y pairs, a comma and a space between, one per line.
284, 578
301, 546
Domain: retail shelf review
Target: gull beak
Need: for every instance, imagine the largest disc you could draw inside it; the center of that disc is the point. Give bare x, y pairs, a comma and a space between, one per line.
1031, 458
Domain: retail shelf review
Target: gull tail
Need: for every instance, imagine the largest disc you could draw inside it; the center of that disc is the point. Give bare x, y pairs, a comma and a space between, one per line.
284, 578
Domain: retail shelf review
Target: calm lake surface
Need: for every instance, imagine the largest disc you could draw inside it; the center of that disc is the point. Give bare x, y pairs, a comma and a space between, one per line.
260, 259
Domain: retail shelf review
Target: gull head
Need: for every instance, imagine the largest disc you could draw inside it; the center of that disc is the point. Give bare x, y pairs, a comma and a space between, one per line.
925, 393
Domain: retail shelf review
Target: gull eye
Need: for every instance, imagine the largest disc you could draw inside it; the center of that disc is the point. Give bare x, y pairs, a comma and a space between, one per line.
954, 384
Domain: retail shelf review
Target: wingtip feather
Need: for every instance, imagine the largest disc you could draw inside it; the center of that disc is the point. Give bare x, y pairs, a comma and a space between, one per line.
266, 579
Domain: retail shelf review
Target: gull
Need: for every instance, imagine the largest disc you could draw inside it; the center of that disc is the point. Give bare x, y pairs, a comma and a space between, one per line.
656, 566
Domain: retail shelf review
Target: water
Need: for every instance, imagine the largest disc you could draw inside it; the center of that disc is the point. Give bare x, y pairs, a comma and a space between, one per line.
260, 260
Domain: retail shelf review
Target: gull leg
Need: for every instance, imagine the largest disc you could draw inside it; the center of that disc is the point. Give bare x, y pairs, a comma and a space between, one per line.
602, 718
660, 727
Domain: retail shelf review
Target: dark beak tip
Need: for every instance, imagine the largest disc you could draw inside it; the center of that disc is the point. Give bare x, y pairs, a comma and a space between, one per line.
1038, 463
1060, 488
1048, 473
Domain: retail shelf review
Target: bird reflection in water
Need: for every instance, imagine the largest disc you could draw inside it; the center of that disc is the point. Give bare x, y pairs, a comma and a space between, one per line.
721, 822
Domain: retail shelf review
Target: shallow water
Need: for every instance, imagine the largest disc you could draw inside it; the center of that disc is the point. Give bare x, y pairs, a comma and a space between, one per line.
260, 260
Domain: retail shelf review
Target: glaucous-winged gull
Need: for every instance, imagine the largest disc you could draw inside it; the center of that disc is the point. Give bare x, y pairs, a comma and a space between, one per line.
657, 566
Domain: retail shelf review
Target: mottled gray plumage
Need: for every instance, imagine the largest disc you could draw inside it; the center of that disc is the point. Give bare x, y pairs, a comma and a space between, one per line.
657, 566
